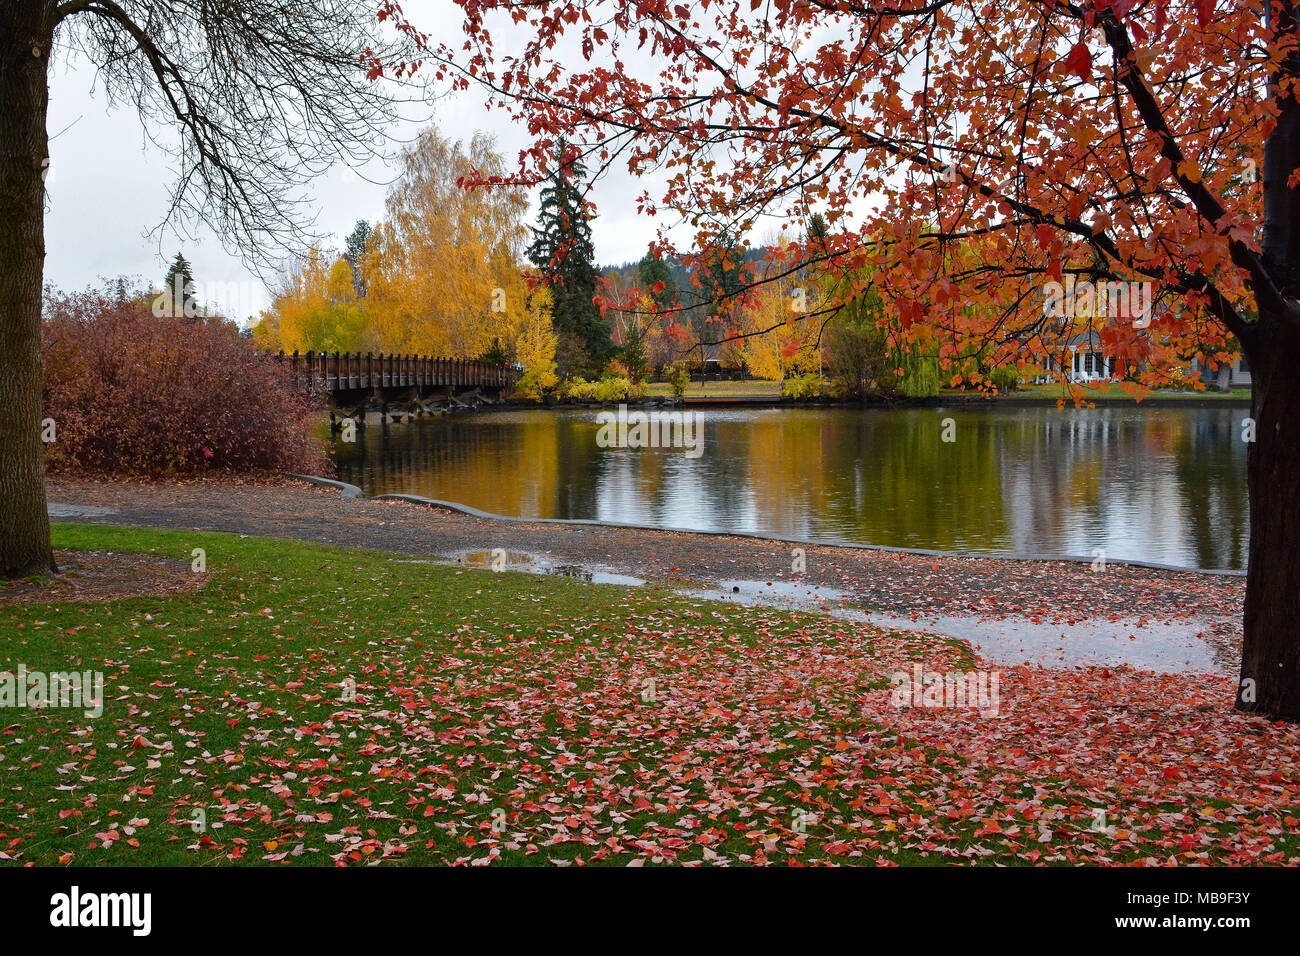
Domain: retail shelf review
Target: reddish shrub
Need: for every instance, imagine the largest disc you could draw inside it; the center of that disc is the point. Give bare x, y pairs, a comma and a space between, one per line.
133, 394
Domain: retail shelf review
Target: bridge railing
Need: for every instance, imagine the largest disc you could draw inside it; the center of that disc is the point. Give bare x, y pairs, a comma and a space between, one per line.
342, 371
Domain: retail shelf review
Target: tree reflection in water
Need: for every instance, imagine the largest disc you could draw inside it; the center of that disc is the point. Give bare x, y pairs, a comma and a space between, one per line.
1154, 484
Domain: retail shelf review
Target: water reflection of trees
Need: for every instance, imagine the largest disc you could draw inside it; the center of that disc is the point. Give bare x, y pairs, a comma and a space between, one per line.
1162, 484
1210, 464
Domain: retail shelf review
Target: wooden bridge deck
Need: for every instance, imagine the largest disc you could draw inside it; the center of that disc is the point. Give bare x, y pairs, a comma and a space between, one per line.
397, 386
353, 372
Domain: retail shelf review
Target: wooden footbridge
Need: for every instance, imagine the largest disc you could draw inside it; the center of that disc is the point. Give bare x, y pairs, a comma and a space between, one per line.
398, 385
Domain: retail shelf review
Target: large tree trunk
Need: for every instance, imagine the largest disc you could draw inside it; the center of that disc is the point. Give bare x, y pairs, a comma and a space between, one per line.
1270, 660
1270, 655
26, 31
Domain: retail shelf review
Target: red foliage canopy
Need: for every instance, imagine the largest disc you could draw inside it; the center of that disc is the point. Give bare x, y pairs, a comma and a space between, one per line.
965, 155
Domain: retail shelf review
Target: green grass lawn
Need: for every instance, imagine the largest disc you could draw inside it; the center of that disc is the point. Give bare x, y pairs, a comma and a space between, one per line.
744, 389
476, 692
772, 390
1112, 390
498, 717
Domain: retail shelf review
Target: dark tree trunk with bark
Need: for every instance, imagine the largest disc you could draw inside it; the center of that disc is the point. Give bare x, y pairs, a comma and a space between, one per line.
1270, 660
1270, 657
26, 32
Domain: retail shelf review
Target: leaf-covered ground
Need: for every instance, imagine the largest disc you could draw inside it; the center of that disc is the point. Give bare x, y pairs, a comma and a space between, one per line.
516, 719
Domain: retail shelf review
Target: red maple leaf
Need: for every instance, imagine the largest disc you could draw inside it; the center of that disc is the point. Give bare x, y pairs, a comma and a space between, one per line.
1079, 61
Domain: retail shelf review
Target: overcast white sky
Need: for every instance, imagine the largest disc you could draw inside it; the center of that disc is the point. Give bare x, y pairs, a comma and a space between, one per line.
108, 187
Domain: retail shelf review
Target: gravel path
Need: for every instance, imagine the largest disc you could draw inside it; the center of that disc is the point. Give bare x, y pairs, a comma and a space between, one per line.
889, 581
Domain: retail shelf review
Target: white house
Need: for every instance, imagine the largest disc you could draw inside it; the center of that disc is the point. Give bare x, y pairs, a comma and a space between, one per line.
1226, 377
1087, 362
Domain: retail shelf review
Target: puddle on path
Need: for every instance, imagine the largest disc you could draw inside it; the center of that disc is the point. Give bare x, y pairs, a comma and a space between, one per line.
502, 560
791, 595
1166, 647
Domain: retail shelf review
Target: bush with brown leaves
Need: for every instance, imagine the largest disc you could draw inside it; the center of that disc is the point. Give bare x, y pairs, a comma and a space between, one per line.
133, 394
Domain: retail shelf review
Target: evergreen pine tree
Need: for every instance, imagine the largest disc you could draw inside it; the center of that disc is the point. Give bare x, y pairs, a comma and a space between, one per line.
634, 354
562, 251
817, 230
354, 251
496, 353
725, 274
179, 280
652, 270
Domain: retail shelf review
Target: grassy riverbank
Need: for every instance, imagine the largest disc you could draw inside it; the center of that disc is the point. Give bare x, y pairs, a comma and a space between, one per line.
756, 390
752, 389
1111, 390
532, 720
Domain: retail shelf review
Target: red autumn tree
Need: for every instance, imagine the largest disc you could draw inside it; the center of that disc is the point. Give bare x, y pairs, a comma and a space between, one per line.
965, 156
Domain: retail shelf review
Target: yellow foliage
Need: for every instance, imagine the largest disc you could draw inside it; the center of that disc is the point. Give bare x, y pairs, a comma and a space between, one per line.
442, 272
316, 309
536, 348
788, 341
443, 269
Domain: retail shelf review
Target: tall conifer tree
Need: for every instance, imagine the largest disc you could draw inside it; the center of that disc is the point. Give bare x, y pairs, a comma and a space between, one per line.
178, 288
563, 252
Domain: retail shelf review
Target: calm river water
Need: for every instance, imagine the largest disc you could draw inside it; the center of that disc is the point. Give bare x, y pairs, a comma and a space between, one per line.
1155, 484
